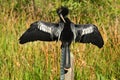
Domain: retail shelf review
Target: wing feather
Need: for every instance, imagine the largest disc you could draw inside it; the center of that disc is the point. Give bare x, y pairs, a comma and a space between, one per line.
40, 30
89, 33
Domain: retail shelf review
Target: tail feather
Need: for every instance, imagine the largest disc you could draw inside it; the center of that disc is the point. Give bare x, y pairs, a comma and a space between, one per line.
66, 57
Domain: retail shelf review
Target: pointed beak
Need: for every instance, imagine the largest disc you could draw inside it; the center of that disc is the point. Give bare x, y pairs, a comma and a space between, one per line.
62, 18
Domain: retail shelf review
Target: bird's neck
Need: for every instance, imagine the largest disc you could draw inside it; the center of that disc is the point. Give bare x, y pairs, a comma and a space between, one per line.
66, 20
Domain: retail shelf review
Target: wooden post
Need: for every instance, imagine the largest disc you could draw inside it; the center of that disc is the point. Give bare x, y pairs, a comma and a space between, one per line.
70, 74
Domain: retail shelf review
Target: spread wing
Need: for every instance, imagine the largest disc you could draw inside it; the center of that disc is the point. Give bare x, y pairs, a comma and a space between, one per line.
88, 33
42, 31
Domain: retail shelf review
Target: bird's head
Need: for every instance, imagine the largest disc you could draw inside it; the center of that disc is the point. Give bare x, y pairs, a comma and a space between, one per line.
62, 12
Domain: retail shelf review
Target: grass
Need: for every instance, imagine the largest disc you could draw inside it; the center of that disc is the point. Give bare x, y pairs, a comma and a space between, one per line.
41, 60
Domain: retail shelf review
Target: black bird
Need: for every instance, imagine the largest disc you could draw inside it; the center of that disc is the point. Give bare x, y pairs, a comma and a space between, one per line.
65, 31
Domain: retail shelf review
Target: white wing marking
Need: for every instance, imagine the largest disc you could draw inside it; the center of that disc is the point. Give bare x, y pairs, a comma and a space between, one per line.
87, 30
44, 28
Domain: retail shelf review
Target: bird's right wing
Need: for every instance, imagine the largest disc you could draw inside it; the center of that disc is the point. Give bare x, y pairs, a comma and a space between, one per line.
42, 31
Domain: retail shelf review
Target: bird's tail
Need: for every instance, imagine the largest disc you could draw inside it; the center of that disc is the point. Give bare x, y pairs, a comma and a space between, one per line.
66, 57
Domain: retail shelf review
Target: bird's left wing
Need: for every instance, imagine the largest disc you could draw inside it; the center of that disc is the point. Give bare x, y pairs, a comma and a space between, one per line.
88, 33
42, 31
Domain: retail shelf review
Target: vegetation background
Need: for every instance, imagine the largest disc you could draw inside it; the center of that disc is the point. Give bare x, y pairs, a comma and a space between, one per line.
41, 60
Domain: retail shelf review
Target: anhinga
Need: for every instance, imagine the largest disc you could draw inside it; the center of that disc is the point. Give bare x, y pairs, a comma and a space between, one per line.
65, 31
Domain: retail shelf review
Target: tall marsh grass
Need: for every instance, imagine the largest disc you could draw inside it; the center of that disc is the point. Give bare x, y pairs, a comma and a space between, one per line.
41, 60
